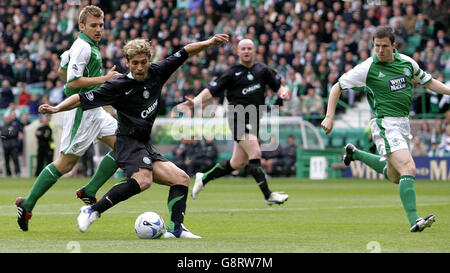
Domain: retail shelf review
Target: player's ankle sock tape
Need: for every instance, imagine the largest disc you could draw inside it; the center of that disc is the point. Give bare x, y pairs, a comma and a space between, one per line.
220, 169
255, 169
118, 193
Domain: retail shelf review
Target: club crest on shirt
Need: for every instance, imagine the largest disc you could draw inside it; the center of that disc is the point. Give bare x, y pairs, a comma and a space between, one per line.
406, 71
146, 160
397, 84
90, 96
250, 77
146, 94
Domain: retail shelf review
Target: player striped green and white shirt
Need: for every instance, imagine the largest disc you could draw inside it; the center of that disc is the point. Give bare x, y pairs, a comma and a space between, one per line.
388, 85
83, 59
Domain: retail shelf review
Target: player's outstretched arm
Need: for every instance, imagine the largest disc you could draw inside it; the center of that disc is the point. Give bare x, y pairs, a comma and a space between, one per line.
217, 40
328, 121
438, 87
83, 82
204, 96
67, 104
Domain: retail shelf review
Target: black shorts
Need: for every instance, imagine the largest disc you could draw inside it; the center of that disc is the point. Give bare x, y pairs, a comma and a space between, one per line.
243, 123
132, 154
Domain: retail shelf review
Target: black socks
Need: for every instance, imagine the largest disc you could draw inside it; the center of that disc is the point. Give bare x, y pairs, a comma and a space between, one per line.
220, 169
176, 204
255, 169
118, 193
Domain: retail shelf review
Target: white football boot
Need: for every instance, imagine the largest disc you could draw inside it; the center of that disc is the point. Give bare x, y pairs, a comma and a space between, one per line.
277, 198
182, 232
198, 185
86, 218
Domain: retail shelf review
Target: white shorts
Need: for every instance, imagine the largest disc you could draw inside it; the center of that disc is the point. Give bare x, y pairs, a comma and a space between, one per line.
82, 128
391, 134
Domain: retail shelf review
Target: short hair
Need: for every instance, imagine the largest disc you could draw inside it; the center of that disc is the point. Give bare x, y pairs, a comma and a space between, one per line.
384, 32
136, 47
90, 10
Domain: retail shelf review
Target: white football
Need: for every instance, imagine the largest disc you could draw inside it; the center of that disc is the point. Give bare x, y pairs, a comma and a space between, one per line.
149, 225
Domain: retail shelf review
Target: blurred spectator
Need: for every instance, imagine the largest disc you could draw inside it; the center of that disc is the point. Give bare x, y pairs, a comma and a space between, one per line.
6, 95
16, 122
87, 161
445, 141
204, 158
286, 164
23, 99
34, 104
418, 148
436, 133
438, 12
435, 150
409, 20
312, 105
179, 154
269, 157
194, 157
425, 134
56, 94
10, 142
44, 135
6, 71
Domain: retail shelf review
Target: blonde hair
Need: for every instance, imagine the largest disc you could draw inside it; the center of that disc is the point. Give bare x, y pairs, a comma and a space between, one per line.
136, 47
90, 10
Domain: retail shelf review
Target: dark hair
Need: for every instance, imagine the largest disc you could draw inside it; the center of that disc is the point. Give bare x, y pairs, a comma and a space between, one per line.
383, 32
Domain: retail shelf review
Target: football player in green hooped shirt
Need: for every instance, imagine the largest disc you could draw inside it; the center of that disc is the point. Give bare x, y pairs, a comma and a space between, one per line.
387, 78
82, 63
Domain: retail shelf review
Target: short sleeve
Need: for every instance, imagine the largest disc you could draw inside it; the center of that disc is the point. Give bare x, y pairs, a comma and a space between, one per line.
64, 60
218, 85
356, 77
79, 56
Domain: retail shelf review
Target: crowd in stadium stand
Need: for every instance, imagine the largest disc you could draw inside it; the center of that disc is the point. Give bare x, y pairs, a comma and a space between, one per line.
310, 42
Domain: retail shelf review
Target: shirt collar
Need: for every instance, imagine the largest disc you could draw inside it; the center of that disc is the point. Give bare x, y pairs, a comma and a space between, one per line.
130, 76
83, 36
396, 56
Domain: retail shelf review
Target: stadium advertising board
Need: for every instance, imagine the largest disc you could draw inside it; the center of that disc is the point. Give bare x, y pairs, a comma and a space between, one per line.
430, 168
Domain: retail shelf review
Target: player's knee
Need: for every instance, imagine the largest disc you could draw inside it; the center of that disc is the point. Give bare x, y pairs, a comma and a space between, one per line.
183, 179
144, 183
410, 168
239, 164
65, 165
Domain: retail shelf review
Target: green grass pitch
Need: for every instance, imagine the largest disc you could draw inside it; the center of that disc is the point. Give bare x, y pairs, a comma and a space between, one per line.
337, 216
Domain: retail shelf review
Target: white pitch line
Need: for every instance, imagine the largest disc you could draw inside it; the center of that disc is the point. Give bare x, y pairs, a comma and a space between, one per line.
13, 212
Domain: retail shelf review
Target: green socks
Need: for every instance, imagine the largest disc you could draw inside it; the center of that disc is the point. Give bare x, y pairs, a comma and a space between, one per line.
408, 197
106, 169
406, 184
370, 160
48, 176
